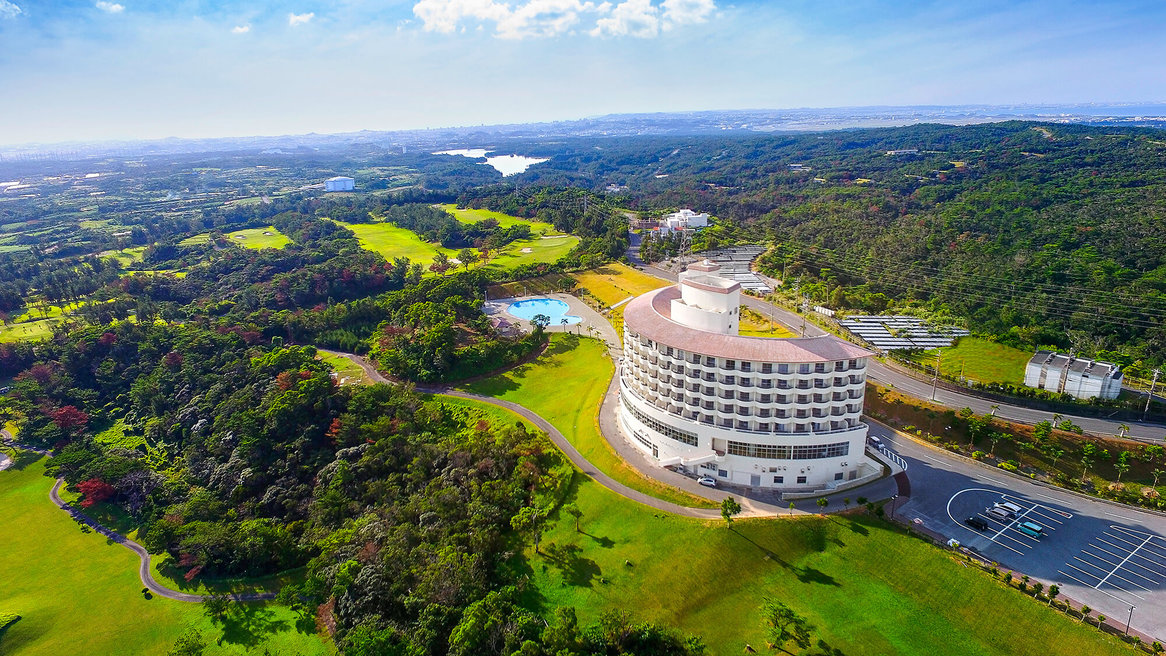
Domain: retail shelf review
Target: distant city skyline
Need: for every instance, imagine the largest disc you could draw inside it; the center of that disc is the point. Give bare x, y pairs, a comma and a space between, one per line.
87, 71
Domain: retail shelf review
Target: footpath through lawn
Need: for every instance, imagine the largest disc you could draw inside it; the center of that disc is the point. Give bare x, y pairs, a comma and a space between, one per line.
565, 386
80, 593
865, 586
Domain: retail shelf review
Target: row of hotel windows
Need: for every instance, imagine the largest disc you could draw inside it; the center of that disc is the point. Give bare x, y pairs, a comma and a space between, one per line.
660, 427
789, 451
749, 397
759, 427
764, 383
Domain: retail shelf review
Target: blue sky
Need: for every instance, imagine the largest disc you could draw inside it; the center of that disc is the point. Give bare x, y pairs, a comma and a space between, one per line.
134, 69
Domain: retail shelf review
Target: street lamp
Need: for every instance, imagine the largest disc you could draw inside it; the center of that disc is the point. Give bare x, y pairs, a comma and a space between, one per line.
1131, 618
893, 506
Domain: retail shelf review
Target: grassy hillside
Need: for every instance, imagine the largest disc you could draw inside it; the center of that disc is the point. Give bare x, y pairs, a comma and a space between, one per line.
867, 587
77, 592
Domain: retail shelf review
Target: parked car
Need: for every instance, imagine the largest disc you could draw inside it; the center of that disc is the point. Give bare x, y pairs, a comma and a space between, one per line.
707, 481
876, 442
1009, 506
1000, 514
977, 523
1031, 529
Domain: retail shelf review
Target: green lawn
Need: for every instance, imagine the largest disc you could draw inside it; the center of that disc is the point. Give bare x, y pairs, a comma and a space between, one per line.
581, 365
126, 256
470, 215
980, 360
79, 593
30, 330
195, 240
867, 588
267, 237
348, 372
392, 242
541, 251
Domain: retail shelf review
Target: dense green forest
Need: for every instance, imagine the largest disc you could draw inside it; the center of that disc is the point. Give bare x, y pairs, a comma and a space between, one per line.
1033, 234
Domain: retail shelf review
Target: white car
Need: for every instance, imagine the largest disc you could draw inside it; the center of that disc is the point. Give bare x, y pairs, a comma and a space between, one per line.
707, 481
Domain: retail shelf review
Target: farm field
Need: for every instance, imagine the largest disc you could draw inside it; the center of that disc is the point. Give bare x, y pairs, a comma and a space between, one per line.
980, 360
72, 586
867, 587
583, 364
470, 215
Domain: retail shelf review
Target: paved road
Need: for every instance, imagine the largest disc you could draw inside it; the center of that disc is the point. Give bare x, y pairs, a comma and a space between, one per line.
1106, 555
907, 384
143, 555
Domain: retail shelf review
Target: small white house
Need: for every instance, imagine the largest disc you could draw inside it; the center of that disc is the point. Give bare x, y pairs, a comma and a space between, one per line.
339, 183
683, 220
1081, 378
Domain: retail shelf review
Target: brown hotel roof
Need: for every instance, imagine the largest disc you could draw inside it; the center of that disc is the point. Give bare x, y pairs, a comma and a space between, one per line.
650, 316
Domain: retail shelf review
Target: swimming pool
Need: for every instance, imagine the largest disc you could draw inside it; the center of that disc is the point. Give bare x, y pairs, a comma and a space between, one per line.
553, 308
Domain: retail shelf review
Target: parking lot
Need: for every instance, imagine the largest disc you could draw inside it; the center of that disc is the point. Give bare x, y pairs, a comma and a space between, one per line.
1005, 533
1122, 563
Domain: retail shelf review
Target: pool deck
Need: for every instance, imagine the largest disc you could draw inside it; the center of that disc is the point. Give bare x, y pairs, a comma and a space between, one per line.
593, 323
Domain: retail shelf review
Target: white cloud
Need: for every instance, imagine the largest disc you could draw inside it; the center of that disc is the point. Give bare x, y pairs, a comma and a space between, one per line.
638, 18
444, 15
9, 10
300, 19
520, 19
686, 12
110, 7
241, 29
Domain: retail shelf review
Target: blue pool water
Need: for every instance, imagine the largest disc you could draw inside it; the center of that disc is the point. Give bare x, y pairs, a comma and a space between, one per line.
553, 308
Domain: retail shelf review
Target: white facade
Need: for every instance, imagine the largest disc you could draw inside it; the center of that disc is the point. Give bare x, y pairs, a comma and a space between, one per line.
1081, 378
684, 219
751, 411
339, 183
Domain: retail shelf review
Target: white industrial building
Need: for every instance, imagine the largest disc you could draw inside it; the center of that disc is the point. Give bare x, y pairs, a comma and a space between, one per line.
751, 411
1081, 378
339, 183
683, 220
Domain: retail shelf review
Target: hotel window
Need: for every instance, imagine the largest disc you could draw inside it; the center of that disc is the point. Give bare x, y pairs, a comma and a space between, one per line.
803, 368
779, 479
710, 361
819, 368
783, 368
766, 398
730, 364
801, 479
838, 476
767, 368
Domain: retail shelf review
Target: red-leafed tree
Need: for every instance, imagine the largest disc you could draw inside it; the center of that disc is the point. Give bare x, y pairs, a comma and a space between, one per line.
70, 419
94, 491
107, 339
173, 359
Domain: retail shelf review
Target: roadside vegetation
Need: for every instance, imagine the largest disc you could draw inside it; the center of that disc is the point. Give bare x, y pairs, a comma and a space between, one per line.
1054, 451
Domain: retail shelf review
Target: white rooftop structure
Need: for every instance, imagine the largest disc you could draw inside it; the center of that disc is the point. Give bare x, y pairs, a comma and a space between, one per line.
684, 219
339, 183
1080, 378
891, 332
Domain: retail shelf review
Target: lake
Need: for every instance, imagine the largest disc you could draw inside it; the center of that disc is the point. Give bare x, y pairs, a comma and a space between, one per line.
504, 164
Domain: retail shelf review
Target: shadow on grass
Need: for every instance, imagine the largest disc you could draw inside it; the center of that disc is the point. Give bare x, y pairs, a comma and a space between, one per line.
803, 574
22, 458
250, 624
172, 576
577, 571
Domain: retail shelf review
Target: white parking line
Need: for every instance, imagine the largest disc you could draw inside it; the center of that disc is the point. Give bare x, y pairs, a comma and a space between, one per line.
1128, 519
1126, 559
1113, 596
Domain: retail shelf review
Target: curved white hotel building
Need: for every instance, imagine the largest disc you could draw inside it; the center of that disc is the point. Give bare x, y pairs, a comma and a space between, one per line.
751, 411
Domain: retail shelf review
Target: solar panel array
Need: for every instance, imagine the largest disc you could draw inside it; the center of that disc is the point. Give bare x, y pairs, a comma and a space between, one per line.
891, 332
735, 261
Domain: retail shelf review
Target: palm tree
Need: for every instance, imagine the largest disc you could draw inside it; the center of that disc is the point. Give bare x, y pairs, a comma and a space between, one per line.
1157, 473
1123, 429
994, 409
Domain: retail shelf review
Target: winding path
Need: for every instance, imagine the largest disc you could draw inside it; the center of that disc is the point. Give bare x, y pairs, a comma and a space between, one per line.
113, 536
561, 442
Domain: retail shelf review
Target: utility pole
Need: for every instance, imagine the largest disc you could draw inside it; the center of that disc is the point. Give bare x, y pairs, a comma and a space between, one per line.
935, 380
1150, 396
805, 311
